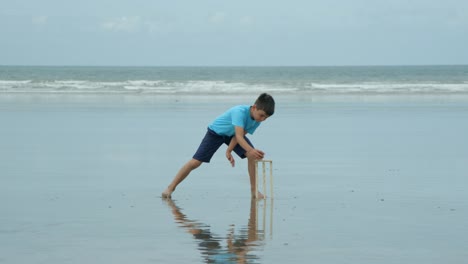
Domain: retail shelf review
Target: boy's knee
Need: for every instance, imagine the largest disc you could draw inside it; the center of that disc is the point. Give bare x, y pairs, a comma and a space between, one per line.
249, 156
193, 164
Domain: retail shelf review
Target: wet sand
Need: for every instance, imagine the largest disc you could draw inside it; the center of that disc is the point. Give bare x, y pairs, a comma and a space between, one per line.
365, 179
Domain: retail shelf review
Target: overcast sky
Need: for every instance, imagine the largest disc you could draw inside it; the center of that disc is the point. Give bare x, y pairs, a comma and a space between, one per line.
236, 32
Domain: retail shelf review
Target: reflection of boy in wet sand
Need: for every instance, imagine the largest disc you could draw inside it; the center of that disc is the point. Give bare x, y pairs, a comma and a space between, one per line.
230, 128
210, 245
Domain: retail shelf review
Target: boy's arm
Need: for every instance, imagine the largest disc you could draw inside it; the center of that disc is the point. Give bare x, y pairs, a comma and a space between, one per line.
249, 151
231, 146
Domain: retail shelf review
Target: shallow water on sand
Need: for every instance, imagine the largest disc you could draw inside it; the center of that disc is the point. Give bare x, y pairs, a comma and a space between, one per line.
357, 180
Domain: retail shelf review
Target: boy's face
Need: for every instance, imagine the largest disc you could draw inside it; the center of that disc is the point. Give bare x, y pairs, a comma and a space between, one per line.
258, 115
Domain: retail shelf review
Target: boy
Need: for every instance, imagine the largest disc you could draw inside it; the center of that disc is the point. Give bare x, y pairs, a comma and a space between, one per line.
230, 128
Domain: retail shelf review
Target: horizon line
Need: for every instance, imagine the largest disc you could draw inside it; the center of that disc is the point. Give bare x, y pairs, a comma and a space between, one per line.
228, 66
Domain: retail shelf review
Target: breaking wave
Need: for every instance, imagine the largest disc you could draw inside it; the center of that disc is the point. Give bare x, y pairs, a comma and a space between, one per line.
224, 87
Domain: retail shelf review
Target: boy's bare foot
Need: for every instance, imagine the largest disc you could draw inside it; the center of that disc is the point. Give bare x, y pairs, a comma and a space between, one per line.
166, 194
259, 195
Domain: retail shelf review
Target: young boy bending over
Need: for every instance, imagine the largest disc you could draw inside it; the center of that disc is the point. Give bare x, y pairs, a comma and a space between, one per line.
230, 128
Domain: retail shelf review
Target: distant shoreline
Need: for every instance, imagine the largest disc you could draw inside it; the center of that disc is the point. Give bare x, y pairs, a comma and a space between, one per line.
232, 66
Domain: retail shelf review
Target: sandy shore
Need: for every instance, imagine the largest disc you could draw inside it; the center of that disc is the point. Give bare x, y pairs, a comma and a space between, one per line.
357, 180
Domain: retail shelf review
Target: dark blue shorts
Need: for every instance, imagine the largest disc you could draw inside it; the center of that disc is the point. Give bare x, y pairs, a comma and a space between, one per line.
211, 143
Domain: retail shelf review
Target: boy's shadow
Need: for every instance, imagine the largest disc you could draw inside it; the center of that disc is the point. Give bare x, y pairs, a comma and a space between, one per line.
233, 247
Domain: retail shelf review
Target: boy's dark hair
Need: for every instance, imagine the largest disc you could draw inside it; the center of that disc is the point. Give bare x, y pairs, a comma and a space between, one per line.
266, 103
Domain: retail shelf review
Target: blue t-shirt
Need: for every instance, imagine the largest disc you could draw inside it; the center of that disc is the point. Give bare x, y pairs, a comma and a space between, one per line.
239, 115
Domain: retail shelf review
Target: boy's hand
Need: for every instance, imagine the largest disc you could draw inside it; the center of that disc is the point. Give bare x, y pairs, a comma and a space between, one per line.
230, 158
255, 153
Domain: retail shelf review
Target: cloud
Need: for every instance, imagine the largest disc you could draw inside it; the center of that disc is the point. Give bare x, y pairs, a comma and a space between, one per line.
246, 21
218, 17
136, 24
39, 20
123, 24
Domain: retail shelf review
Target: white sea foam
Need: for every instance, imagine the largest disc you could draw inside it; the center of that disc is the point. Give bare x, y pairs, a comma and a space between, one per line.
404, 88
224, 87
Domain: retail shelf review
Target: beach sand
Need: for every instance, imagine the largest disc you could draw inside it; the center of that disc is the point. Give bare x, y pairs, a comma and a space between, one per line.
358, 179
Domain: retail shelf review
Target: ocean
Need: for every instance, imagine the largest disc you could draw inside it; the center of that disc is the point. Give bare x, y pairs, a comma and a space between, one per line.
369, 165
236, 80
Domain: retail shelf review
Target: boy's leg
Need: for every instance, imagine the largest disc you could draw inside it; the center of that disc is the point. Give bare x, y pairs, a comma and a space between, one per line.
209, 145
180, 176
250, 167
